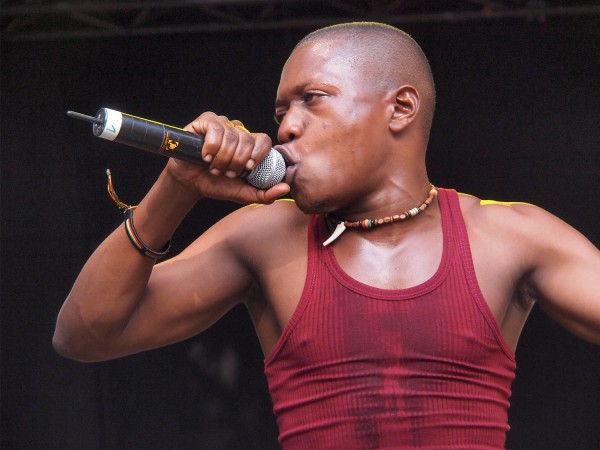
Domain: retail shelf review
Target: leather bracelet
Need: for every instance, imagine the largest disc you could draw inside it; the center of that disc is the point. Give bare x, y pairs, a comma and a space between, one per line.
137, 242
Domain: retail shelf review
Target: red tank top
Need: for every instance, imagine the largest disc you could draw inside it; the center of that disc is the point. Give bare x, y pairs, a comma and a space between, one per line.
363, 367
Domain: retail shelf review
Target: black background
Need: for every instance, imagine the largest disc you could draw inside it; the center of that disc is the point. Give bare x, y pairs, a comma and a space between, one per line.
518, 119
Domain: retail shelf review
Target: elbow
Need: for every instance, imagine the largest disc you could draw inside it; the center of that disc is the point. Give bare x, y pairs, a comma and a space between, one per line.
64, 347
77, 339
74, 349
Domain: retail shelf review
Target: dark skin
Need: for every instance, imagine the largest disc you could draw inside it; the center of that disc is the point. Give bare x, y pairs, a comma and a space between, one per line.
352, 151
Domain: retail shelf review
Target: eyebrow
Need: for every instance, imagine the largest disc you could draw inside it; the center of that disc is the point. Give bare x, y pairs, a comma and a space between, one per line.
299, 89
295, 91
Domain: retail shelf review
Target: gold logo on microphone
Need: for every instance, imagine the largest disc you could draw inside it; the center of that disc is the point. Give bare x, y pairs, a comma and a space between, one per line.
169, 144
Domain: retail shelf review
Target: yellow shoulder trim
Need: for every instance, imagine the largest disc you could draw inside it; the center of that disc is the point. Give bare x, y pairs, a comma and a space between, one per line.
509, 204
495, 202
256, 205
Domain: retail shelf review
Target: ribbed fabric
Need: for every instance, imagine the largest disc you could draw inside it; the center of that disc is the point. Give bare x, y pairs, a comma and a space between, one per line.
362, 367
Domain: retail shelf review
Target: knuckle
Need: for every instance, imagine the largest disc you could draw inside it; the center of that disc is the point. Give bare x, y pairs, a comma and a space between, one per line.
262, 138
206, 115
247, 140
230, 135
218, 130
262, 143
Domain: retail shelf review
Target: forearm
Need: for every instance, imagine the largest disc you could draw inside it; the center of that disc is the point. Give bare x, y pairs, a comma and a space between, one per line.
113, 282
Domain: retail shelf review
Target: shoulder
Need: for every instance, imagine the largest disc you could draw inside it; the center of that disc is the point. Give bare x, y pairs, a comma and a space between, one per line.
506, 215
257, 229
255, 236
524, 228
500, 213
280, 217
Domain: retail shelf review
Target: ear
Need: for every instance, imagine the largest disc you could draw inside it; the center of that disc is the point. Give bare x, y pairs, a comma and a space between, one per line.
404, 107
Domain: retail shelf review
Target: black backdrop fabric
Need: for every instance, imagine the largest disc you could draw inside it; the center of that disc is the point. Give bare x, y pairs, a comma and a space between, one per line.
517, 119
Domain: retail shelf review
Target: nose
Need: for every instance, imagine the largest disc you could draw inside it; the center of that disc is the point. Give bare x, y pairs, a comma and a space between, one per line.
291, 126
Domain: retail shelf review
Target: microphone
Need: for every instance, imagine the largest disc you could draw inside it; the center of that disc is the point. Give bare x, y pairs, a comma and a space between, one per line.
172, 142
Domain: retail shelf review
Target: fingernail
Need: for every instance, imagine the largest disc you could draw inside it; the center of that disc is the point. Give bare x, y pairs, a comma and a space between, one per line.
208, 158
215, 171
250, 164
230, 174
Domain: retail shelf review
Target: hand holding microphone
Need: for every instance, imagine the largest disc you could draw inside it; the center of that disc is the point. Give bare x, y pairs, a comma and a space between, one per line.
173, 142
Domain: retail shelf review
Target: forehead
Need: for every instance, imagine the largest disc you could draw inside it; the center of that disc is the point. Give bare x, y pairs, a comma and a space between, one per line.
321, 61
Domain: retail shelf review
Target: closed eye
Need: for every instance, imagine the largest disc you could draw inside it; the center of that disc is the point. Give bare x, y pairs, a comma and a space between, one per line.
307, 98
310, 96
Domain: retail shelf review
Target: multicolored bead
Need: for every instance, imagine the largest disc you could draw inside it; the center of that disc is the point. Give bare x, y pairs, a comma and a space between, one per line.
368, 224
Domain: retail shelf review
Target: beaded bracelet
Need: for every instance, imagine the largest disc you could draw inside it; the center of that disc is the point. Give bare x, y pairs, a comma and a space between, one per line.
137, 242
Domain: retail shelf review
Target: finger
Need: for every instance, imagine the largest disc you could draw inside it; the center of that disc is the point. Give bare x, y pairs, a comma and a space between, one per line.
228, 146
213, 141
262, 146
200, 124
242, 155
257, 149
234, 164
224, 160
211, 126
220, 142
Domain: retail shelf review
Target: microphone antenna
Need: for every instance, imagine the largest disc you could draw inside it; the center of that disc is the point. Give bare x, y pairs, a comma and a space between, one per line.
76, 115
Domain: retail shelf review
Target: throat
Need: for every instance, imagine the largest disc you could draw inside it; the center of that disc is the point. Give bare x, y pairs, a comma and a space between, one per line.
393, 264
370, 223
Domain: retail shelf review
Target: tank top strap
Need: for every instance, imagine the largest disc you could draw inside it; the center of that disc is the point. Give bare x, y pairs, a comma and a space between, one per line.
312, 275
455, 218
466, 257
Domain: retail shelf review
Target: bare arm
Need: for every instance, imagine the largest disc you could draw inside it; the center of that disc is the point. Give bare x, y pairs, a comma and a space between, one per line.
122, 303
523, 254
566, 275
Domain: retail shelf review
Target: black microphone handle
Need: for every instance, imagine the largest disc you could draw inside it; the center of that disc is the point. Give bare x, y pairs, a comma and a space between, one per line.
150, 136
173, 142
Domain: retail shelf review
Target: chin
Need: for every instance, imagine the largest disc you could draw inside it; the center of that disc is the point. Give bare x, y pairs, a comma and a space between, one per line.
311, 201
310, 206
303, 206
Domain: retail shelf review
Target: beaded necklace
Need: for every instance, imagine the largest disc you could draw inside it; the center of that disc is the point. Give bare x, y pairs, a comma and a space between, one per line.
367, 224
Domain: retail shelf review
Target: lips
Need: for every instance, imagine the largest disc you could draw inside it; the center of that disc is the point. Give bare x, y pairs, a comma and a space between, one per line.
290, 174
290, 163
285, 153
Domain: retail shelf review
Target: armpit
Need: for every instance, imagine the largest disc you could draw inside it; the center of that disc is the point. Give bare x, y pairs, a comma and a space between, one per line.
525, 295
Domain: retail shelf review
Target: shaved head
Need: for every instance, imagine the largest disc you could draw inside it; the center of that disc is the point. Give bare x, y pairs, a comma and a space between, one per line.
386, 57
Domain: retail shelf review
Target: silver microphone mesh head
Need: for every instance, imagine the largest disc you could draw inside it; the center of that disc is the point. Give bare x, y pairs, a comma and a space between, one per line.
269, 172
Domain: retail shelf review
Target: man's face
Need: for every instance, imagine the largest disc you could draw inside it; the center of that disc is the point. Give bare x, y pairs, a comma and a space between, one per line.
332, 124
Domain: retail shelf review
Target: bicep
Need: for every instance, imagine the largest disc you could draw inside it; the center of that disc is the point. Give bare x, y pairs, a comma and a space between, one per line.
187, 294
566, 275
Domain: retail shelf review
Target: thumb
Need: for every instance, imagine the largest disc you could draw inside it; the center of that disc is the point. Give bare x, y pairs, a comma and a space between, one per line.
272, 194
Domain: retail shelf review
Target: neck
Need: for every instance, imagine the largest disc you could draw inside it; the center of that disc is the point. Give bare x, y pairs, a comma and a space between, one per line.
369, 223
397, 196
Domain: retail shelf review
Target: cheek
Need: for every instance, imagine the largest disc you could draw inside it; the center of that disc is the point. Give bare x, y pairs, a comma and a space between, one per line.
317, 184
336, 160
